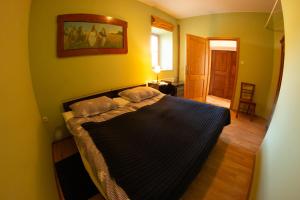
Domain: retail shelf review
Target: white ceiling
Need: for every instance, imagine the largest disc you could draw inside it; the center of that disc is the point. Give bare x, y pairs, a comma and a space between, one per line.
189, 8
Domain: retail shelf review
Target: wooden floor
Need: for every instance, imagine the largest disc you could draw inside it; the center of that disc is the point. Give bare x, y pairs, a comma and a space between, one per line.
226, 175
218, 101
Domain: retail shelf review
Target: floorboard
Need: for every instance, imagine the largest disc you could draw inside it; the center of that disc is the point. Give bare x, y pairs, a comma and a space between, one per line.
218, 101
227, 173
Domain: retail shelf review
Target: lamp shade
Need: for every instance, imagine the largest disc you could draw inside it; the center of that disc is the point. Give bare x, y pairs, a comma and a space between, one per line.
157, 69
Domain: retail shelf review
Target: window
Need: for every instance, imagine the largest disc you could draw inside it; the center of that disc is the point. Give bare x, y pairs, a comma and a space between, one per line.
226, 45
162, 48
155, 50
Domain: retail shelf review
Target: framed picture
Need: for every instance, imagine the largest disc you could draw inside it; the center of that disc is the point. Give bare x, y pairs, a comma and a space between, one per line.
87, 34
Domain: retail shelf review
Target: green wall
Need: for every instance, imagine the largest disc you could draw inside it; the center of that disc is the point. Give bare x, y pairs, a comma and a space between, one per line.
25, 148
58, 79
277, 174
256, 48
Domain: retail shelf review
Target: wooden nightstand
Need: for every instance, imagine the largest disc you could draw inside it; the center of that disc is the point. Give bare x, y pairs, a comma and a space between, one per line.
164, 87
171, 88
179, 88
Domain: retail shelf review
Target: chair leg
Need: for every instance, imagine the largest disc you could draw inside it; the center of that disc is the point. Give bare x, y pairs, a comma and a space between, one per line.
248, 109
252, 112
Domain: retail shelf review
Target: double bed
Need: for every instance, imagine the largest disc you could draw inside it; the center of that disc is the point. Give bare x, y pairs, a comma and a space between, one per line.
146, 150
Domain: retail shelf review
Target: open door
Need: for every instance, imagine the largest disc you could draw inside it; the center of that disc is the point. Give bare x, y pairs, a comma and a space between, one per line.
282, 41
196, 79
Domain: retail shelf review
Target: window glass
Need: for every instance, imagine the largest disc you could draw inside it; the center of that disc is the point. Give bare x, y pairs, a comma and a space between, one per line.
154, 50
226, 45
162, 48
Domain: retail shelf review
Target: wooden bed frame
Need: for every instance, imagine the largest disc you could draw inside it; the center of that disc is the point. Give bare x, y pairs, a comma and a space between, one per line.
110, 94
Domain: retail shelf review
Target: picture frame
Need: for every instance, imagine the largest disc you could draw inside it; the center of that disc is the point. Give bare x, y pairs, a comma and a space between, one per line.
89, 34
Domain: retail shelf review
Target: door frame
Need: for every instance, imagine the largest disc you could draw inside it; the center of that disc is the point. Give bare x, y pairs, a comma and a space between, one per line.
237, 64
282, 55
279, 80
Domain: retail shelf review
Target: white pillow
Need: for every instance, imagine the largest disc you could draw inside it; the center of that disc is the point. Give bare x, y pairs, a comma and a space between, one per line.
92, 107
121, 101
139, 94
68, 115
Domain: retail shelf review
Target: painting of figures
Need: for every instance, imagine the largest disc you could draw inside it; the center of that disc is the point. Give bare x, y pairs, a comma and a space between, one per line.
78, 35
85, 34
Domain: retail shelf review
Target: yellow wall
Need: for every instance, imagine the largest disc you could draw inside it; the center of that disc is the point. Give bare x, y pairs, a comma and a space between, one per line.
256, 48
277, 167
26, 167
58, 79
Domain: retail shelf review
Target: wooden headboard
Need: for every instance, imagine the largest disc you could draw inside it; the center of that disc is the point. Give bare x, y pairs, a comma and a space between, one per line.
110, 94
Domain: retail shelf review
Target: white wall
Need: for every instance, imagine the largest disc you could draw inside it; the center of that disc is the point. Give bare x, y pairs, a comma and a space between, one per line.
277, 174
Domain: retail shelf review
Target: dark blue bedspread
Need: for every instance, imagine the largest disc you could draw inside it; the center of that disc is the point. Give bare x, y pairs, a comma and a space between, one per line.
155, 152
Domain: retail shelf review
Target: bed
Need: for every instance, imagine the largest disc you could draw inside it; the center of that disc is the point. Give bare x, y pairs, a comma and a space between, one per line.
148, 150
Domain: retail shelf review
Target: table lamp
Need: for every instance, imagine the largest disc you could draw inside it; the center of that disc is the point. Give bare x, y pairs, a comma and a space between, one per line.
157, 71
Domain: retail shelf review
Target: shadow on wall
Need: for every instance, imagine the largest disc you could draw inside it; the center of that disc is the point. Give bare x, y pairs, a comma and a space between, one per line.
45, 165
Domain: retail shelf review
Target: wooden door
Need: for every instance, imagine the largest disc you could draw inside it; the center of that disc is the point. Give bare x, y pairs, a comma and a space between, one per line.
196, 69
282, 41
223, 72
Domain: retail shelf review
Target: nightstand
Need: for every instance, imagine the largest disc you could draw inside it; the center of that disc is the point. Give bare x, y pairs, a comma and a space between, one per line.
166, 87
163, 87
179, 88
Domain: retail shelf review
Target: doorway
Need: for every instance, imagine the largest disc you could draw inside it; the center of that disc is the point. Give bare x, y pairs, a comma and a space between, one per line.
223, 71
211, 70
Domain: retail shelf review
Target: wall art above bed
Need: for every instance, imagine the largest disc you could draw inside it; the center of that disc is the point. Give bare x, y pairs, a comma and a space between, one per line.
88, 34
